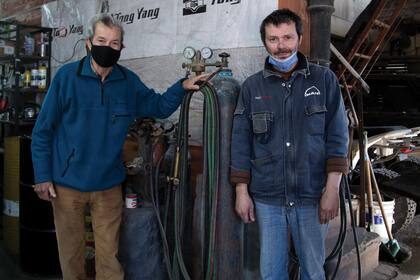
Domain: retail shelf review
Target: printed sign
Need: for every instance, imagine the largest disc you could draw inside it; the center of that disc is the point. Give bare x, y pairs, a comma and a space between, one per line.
161, 27
167, 27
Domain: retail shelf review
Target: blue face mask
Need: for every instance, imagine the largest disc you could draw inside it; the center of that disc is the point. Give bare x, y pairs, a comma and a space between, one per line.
284, 65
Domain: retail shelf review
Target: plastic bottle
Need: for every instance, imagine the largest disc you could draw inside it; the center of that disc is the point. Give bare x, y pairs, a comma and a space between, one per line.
27, 78
21, 77
42, 76
29, 45
34, 77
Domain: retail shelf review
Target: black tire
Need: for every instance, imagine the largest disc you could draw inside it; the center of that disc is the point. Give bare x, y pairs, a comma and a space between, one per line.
404, 211
406, 166
383, 174
405, 208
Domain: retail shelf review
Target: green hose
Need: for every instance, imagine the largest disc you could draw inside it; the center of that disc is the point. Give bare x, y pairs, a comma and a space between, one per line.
212, 157
213, 128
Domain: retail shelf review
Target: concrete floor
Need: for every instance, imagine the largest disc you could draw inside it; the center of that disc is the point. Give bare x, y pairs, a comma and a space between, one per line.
10, 270
410, 270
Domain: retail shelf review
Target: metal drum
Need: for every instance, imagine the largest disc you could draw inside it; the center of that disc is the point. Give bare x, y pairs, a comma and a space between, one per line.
38, 243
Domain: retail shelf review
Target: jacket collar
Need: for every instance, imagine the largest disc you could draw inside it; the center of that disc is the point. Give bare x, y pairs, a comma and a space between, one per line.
85, 69
302, 67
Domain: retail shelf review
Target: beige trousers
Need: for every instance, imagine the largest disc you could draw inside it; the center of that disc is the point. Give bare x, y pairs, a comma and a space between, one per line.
106, 211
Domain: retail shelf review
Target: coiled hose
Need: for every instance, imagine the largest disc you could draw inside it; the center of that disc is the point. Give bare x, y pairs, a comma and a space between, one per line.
211, 141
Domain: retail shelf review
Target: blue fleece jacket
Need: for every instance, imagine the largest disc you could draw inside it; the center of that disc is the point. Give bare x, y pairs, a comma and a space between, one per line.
78, 136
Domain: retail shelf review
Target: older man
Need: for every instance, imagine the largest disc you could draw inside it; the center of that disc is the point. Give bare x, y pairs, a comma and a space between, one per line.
77, 143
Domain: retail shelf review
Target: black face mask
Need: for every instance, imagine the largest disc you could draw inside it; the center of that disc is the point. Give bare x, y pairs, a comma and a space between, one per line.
105, 56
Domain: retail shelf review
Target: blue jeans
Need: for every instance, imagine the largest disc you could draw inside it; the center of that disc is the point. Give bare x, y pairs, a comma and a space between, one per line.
308, 237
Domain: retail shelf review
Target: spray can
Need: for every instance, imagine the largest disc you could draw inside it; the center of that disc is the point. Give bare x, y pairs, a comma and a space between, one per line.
42, 77
43, 49
43, 45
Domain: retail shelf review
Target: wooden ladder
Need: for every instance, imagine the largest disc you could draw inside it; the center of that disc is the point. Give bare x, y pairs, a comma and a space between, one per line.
371, 41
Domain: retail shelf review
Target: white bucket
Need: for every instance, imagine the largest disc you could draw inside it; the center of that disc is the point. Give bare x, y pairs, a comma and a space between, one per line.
378, 222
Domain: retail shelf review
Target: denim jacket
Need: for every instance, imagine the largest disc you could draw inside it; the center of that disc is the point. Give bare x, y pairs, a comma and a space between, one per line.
288, 134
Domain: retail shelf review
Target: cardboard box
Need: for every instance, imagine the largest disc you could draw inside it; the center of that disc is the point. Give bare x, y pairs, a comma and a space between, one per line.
7, 47
7, 50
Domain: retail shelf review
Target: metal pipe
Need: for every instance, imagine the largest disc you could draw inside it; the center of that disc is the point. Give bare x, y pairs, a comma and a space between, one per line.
320, 16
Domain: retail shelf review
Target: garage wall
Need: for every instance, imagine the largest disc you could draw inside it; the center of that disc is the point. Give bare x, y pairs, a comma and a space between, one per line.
160, 72
24, 11
346, 11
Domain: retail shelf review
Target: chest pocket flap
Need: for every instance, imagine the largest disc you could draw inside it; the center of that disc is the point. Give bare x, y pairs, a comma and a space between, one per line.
261, 125
261, 121
314, 109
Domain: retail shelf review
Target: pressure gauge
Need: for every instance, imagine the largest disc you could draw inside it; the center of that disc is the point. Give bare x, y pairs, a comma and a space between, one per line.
206, 53
189, 53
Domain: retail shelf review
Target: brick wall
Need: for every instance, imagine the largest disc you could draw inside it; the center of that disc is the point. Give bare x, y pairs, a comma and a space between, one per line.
23, 11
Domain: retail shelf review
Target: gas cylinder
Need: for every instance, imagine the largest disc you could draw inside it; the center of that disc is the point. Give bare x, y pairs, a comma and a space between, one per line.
229, 229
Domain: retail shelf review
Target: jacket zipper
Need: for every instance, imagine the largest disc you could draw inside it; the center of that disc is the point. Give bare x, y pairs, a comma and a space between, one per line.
68, 163
102, 94
284, 151
115, 116
285, 158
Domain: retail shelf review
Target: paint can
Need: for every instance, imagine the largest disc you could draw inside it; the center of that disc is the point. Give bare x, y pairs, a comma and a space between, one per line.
131, 201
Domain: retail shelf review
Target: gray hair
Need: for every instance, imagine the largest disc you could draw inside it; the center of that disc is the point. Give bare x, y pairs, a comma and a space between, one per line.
108, 21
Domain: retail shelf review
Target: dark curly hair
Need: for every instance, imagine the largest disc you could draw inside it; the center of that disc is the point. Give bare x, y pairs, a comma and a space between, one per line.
281, 16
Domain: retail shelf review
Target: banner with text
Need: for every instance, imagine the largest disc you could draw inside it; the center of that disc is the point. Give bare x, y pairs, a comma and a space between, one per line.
159, 27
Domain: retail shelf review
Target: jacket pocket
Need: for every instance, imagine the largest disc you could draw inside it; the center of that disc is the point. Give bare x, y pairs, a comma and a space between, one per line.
121, 116
263, 171
67, 163
262, 125
316, 119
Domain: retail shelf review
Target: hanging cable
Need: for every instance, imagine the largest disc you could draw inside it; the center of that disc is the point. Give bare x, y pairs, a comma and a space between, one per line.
353, 226
154, 194
72, 55
345, 192
343, 225
178, 264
